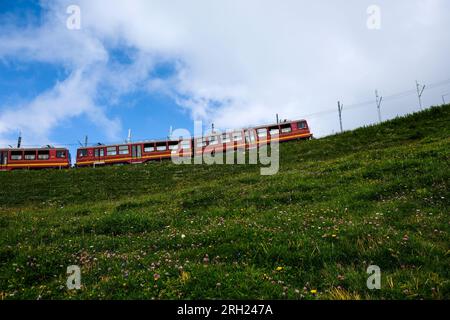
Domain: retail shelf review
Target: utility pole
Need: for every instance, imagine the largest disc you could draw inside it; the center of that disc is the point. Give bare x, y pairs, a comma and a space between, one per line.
379, 99
419, 93
340, 107
212, 127
129, 136
85, 141
277, 119
19, 140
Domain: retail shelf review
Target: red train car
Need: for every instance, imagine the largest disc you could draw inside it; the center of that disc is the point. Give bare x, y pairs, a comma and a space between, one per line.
140, 152
251, 137
36, 158
136, 152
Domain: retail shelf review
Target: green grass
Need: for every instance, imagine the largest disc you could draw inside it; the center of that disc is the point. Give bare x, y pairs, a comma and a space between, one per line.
377, 195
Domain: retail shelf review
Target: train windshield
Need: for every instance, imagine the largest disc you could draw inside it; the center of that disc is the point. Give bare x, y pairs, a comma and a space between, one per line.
302, 125
82, 153
3, 157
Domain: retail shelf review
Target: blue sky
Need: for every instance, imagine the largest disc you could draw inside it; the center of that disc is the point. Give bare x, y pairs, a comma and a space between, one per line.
22, 80
151, 64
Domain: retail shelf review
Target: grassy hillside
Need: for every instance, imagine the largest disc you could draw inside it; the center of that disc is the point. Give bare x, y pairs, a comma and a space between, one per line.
377, 195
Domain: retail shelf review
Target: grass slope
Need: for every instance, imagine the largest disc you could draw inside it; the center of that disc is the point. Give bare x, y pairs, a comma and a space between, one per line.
376, 195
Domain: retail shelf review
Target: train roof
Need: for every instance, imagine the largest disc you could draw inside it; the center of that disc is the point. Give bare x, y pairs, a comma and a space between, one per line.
276, 124
33, 149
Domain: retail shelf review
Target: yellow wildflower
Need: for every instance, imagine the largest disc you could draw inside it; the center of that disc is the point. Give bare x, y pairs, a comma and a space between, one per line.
184, 276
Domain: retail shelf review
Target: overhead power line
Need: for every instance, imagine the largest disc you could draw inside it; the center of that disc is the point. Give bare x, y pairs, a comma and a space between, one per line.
418, 90
378, 100
340, 107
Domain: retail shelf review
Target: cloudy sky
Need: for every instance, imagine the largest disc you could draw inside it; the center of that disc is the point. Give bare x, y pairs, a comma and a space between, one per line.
148, 65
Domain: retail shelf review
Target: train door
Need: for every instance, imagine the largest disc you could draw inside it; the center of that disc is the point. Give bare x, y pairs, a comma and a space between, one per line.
250, 137
136, 151
3, 159
99, 154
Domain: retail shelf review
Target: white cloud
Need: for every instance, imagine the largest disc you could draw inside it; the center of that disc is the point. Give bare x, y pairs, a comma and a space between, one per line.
240, 62
244, 61
91, 77
70, 98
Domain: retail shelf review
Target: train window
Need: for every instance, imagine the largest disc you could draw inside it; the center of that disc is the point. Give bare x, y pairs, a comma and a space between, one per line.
111, 151
186, 144
202, 142
124, 150
173, 145
16, 155
30, 155
286, 128
161, 146
213, 140
43, 155
301, 125
237, 136
82, 153
249, 136
148, 147
225, 138
60, 154
262, 133
274, 131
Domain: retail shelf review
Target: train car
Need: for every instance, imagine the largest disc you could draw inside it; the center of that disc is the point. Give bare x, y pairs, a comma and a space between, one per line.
34, 158
285, 131
128, 153
140, 152
252, 137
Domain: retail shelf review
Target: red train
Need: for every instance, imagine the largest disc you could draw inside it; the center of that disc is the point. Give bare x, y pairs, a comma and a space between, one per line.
140, 152
40, 158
